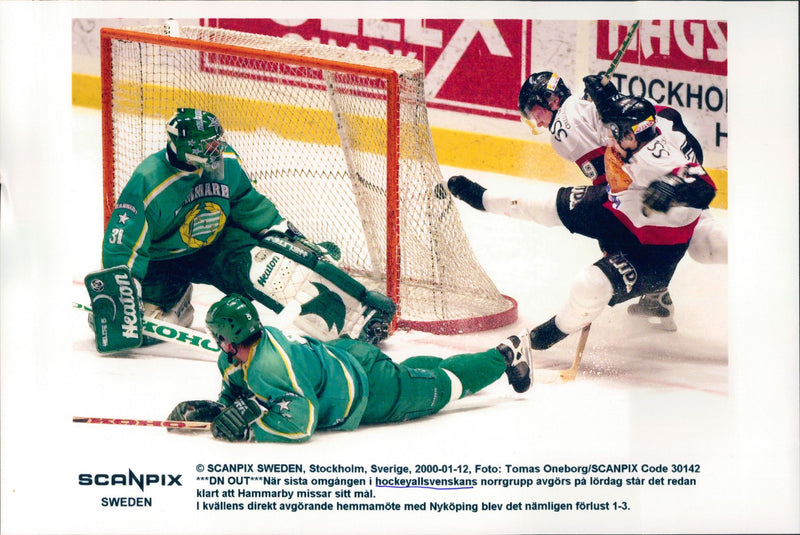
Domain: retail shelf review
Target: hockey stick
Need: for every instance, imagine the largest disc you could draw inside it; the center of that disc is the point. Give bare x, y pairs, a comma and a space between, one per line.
570, 373
170, 332
606, 78
566, 375
169, 424
621, 52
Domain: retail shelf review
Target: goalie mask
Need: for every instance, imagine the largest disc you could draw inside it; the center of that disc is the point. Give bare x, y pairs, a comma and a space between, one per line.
233, 319
196, 137
630, 115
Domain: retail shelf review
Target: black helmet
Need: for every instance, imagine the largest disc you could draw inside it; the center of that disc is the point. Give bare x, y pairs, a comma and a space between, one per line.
630, 114
538, 88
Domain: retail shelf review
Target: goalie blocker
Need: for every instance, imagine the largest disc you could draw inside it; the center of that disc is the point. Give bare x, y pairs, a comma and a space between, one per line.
117, 309
295, 278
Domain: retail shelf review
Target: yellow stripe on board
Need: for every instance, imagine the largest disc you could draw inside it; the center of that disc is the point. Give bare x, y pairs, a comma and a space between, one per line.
507, 156
720, 177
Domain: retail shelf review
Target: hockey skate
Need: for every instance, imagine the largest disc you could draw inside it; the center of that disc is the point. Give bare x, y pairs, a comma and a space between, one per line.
517, 353
657, 308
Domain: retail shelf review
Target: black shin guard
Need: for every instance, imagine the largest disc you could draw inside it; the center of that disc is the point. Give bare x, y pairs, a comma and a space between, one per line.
546, 335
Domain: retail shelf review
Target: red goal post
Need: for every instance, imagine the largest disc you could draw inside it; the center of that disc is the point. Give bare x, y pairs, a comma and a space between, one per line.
337, 138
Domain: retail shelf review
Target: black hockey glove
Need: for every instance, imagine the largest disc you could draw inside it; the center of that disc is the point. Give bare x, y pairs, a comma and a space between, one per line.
684, 189
601, 95
659, 196
195, 411
380, 311
233, 423
596, 90
468, 191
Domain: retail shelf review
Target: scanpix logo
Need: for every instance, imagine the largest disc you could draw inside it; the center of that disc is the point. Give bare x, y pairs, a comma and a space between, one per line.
131, 479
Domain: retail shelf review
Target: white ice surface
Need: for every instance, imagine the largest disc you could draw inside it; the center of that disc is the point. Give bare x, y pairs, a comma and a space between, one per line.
642, 396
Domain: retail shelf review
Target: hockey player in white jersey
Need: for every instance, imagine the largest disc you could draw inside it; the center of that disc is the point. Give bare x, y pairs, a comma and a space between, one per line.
576, 131
643, 216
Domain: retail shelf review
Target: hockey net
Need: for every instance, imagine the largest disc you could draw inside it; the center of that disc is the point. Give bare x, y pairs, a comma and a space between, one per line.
337, 138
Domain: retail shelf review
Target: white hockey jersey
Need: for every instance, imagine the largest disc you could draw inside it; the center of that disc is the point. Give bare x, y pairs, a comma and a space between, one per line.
576, 134
659, 159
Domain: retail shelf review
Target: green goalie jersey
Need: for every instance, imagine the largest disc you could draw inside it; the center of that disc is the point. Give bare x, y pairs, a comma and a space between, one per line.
166, 212
302, 384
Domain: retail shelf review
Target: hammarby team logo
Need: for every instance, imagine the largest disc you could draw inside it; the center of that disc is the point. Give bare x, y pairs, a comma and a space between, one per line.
202, 225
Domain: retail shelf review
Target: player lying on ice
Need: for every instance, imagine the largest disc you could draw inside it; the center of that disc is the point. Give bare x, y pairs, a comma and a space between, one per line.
189, 214
577, 135
643, 217
277, 387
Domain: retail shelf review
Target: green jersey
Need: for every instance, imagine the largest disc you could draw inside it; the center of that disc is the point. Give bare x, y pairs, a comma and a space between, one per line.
303, 384
166, 212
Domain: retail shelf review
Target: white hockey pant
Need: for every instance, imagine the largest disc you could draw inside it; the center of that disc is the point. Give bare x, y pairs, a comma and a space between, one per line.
590, 294
540, 209
709, 244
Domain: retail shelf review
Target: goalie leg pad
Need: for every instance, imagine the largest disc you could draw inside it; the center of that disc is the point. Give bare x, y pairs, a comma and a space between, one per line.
181, 312
332, 304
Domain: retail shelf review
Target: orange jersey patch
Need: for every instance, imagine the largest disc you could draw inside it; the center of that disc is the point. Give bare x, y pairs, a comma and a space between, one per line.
618, 179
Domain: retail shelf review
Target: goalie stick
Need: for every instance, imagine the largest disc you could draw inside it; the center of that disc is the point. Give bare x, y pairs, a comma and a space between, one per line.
170, 332
168, 424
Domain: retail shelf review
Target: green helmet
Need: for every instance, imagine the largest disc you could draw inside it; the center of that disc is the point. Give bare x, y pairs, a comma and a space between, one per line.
233, 319
196, 137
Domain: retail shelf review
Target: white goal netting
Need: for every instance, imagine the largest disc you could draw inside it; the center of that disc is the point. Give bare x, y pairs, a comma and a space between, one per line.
342, 148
